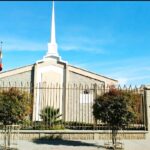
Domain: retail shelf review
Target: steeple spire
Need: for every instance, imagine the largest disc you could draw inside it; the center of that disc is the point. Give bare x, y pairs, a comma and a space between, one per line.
52, 46
53, 38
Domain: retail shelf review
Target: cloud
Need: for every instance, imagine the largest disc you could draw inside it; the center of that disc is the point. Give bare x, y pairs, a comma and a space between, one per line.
20, 44
68, 44
131, 71
84, 43
122, 81
80, 47
131, 75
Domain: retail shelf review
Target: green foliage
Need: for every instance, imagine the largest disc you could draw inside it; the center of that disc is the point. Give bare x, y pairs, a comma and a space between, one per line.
15, 106
116, 108
51, 117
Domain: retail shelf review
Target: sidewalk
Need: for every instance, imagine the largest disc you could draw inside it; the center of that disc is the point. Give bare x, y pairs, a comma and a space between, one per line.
79, 145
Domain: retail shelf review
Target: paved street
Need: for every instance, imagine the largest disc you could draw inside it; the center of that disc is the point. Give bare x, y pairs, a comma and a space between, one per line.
79, 145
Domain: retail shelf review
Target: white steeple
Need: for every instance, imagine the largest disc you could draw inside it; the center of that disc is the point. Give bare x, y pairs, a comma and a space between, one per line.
52, 46
53, 38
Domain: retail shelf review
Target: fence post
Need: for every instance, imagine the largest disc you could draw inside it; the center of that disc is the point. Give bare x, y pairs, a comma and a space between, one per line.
147, 107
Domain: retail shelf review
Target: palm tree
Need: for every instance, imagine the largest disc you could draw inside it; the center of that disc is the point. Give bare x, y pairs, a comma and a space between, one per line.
50, 116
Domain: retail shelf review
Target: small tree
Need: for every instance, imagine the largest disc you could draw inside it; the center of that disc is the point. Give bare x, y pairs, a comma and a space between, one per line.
116, 109
15, 106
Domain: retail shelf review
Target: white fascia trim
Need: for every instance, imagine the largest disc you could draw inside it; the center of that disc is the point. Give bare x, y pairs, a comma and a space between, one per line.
16, 71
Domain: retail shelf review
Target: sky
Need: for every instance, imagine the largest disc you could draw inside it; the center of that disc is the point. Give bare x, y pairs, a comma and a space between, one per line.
108, 38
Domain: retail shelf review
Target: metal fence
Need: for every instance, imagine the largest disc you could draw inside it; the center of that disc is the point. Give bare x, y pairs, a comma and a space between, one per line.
56, 106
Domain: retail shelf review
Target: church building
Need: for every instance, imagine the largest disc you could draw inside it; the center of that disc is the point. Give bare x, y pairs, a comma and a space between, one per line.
52, 69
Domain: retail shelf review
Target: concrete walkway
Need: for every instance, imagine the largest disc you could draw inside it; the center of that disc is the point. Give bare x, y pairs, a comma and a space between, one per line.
79, 145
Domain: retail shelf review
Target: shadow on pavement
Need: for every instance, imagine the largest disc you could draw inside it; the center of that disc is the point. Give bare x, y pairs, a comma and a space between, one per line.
59, 141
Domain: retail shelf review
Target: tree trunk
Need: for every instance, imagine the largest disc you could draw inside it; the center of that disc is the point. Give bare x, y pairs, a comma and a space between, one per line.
5, 138
114, 137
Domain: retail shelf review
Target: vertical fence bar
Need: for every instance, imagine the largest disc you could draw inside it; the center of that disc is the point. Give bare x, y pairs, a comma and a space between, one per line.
145, 110
67, 103
72, 103
76, 102
60, 106
56, 104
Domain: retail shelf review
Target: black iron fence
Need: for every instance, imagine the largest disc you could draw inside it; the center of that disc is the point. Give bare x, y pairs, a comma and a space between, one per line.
55, 106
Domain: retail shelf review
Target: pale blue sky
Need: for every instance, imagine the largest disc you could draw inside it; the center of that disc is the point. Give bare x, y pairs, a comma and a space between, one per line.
109, 38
